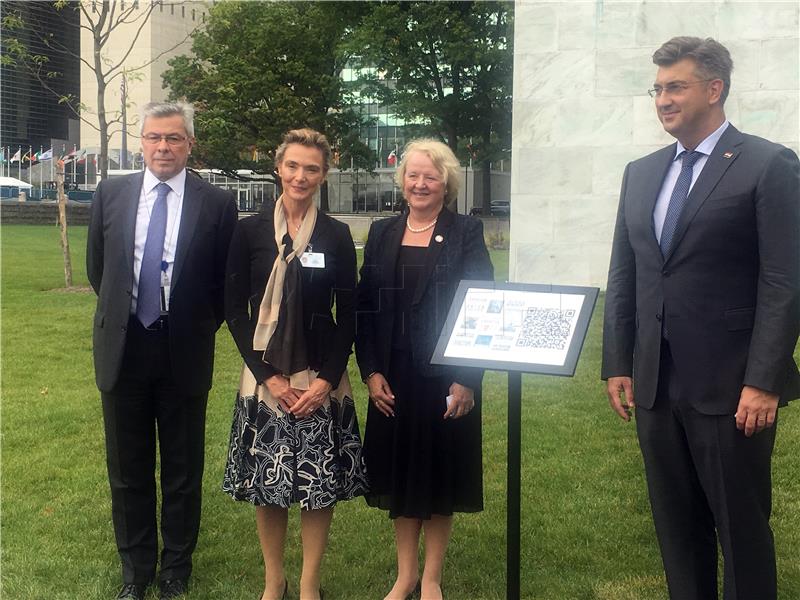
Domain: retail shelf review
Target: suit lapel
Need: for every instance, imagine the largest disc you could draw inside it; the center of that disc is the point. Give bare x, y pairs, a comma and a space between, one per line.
132, 194
190, 213
435, 248
721, 158
651, 189
391, 243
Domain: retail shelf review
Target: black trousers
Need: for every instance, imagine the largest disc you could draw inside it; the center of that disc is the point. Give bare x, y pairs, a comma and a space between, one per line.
707, 482
145, 402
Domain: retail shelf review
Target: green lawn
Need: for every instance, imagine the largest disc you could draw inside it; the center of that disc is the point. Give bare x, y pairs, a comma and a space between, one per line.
586, 530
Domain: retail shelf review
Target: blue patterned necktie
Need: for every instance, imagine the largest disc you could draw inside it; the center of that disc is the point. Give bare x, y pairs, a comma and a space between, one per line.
148, 300
678, 199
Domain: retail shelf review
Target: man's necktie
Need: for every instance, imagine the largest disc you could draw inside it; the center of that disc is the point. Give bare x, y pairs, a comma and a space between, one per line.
678, 199
148, 300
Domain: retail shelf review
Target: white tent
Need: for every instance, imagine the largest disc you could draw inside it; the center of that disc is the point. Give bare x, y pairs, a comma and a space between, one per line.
14, 182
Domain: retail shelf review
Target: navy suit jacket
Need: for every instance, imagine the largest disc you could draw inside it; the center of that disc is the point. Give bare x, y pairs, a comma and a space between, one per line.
461, 254
196, 295
729, 288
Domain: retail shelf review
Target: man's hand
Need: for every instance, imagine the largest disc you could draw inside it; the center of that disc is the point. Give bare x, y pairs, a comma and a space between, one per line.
381, 394
314, 397
620, 396
279, 387
756, 411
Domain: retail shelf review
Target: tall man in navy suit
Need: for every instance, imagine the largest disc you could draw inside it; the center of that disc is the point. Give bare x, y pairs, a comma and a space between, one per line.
701, 320
156, 253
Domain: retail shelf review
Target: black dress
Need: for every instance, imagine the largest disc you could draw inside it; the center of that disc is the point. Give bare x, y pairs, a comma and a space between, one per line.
419, 463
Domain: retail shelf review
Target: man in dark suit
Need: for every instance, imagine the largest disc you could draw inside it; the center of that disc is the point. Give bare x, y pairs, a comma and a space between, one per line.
156, 253
701, 320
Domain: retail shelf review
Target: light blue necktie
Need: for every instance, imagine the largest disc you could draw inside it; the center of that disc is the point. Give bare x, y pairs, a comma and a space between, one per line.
678, 199
148, 300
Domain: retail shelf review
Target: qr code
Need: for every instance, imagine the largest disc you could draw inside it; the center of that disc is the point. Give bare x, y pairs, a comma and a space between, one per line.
546, 328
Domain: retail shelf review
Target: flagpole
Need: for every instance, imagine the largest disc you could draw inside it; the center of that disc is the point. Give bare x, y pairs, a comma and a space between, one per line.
19, 163
41, 173
74, 164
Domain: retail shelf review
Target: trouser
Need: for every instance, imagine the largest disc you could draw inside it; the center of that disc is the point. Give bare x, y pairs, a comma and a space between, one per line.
145, 402
707, 482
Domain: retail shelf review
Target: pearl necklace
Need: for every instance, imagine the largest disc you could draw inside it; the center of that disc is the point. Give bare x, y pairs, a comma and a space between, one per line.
421, 229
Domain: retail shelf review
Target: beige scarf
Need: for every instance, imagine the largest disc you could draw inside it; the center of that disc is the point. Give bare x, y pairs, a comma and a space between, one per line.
270, 308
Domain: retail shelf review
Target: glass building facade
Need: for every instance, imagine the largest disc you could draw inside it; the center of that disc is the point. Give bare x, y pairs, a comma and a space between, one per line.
30, 114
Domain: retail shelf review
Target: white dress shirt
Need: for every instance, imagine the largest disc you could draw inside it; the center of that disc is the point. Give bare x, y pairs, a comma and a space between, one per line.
705, 148
147, 199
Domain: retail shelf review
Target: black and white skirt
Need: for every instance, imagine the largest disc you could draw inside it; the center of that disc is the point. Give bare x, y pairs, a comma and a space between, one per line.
277, 459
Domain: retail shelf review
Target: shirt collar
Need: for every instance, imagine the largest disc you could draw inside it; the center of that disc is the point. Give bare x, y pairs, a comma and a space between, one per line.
176, 183
708, 144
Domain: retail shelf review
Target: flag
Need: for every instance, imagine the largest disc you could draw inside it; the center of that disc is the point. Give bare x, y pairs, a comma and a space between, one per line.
46, 155
16, 156
392, 158
81, 156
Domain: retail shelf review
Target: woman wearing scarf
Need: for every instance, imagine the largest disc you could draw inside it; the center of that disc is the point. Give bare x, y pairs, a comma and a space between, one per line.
422, 442
295, 437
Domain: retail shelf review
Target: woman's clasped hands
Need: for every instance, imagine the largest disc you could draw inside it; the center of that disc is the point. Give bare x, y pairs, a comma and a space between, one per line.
300, 403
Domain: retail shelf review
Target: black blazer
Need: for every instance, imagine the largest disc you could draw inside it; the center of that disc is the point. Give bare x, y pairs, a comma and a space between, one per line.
729, 289
196, 295
461, 254
252, 254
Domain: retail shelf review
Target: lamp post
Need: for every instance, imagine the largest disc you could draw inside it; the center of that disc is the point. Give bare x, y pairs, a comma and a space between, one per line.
123, 152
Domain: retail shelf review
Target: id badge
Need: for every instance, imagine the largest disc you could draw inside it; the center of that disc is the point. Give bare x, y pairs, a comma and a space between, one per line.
164, 293
313, 260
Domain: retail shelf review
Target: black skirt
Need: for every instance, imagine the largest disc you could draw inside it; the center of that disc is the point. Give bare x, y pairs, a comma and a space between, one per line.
420, 463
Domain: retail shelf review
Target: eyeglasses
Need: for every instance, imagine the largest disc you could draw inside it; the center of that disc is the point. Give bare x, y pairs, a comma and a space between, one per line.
171, 139
673, 88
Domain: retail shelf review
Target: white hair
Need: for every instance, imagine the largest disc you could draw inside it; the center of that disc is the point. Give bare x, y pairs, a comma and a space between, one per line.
167, 109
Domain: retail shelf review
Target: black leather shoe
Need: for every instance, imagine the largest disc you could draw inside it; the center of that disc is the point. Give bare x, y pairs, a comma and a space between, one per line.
173, 588
132, 591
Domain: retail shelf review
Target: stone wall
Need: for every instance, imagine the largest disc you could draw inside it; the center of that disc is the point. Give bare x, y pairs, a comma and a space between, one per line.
581, 112
42, 213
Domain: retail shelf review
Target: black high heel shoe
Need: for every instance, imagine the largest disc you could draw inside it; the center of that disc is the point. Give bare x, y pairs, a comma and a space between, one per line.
285, 590
416, 592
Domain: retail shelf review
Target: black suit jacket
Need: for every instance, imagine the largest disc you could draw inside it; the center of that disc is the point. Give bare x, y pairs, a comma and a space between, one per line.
461, 254
252, 254
196, 296
729, 289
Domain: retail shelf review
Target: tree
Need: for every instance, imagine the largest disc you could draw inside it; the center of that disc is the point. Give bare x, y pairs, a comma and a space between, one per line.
262, 68
448, 64
102, 20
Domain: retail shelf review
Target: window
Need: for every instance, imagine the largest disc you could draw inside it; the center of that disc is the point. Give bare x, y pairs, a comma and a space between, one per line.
192, 14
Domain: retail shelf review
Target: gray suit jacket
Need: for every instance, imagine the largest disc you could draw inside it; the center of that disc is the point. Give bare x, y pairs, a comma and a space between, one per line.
729, 289
196, 296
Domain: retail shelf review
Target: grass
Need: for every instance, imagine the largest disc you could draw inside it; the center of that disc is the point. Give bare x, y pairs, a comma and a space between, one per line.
586, 527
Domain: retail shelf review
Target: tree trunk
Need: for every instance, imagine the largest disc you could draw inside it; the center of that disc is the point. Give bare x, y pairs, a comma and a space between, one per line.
324, 206
100, 77
62, 222
486, 186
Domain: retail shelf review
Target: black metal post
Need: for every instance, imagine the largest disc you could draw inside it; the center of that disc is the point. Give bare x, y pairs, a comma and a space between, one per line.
513, 498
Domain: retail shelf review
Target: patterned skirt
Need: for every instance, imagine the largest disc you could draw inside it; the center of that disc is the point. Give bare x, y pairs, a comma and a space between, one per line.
277, 459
